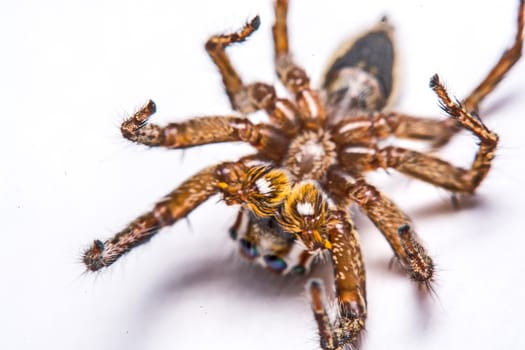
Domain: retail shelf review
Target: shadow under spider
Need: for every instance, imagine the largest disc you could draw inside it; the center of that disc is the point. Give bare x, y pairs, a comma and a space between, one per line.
499, 104
232, 272
218, 273
446, 207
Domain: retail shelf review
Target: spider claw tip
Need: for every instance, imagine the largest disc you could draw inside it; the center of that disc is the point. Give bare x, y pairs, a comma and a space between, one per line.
434, 81
151, 107
256, 22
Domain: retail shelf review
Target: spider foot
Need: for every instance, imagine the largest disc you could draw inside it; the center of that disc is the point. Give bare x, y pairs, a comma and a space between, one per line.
346, 331
222, 41
137, 130
417, 264
102, 254
456, 111
92, 258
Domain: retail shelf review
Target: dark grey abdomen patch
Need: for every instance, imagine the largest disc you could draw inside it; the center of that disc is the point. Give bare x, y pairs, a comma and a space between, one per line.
373, 53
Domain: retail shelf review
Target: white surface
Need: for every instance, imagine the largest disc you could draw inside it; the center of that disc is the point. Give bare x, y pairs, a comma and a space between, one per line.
71, 71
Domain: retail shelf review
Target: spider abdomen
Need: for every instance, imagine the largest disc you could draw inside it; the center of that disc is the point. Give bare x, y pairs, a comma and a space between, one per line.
361, 74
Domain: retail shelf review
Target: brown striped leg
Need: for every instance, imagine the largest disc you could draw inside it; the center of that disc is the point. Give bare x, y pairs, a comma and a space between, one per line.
437, 171
204, 130
395, 225
429, 168
174, 206
440, 132
294, 78
349, 276
437, 131
216, 47
379, 125
324, 326
237, 182
251, 97
497, 73
280, 29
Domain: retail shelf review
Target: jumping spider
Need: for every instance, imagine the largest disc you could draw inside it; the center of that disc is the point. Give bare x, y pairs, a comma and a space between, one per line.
310, 165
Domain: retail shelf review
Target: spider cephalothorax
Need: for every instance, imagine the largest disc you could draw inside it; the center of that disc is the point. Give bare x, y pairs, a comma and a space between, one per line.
310, 165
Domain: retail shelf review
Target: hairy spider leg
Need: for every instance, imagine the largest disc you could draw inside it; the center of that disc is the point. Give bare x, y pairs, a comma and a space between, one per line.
315, 288
252, 97
350, 280
390, 221
497, 73
324, 227
235, 180
216, 45
429, 168
177, 204
439, 132
379, 125
471, 103
269, 141
293, 77
349, 275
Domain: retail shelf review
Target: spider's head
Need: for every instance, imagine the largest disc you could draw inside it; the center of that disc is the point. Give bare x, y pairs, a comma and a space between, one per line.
304, 213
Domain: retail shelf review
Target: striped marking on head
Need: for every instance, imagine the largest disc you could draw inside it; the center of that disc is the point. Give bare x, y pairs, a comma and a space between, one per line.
265, 189
305, 208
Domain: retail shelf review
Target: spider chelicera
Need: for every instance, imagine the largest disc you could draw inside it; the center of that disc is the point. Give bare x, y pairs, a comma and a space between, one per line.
310, 164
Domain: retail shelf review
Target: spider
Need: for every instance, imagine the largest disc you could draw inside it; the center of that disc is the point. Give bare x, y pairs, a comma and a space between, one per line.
310, 163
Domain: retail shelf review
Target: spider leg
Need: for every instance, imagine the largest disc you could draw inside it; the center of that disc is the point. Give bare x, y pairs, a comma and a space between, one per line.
324, 326
349, 275
251, 97
497, 73
395, 225
174, 206
291, 75
236, 181
203, 130
379, 125
437, 131
216, 45
429, 168
437, 171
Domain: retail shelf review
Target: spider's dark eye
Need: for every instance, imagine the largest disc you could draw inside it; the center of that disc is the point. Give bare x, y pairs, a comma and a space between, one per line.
233, 233
299, 270
248, 248
275, 263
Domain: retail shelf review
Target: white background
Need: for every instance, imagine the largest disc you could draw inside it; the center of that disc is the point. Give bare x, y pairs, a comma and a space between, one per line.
71, 71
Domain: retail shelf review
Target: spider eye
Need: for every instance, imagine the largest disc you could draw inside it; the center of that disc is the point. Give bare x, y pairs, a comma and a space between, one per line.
233, 233
298, 270
248, 248
273, 262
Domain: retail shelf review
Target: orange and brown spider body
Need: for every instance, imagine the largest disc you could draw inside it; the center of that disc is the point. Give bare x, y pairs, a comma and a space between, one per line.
310, 164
